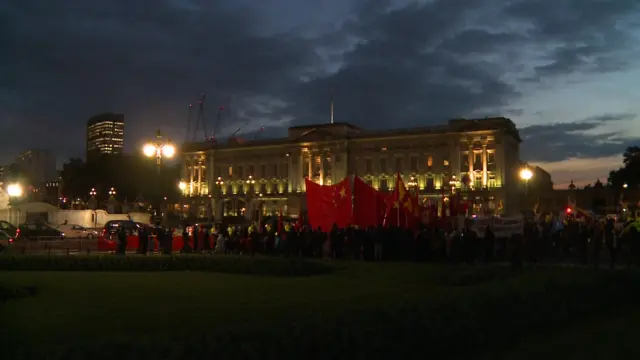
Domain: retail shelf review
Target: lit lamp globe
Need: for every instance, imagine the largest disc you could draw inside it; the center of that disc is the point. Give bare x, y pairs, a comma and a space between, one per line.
168, 151
182, 185
149, 150
526, 174
14, 190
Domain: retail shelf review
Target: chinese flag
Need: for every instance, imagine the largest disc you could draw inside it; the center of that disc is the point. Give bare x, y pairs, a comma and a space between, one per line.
370, 206
328, 205
402, 207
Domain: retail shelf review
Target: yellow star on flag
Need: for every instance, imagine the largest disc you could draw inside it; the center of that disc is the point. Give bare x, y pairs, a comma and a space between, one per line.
343, 192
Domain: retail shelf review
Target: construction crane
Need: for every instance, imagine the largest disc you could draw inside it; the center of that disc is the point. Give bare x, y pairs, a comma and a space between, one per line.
200, 123
217, 124
186, 137
258, 133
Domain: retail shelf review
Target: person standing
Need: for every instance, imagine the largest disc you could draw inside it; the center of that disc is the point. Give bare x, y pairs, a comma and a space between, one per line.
143, 240
122, 241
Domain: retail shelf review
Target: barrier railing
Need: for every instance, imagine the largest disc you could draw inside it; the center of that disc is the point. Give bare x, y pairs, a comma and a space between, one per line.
51, 245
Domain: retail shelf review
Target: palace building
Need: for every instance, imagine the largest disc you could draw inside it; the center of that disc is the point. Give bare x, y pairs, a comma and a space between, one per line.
477, 158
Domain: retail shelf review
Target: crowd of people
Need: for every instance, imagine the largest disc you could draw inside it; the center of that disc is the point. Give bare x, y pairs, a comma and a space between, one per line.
584, 242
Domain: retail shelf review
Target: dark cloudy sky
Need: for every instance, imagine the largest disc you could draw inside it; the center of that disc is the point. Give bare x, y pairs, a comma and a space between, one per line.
565, 71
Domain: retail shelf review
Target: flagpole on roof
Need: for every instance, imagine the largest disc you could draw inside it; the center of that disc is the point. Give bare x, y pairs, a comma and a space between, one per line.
331, 107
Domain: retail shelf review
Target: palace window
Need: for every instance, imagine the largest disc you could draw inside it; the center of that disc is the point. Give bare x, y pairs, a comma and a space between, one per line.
383, 165
477, 182
384, 185
464, 162
263, 171
430, 184
491, 161
368, 166
477, 160
429, 161
414, 164
240, 172
251, 173
492, 183
399, 164
275, 170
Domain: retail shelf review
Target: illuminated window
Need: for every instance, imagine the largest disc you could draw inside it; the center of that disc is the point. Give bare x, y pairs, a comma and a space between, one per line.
429, 161
230, 171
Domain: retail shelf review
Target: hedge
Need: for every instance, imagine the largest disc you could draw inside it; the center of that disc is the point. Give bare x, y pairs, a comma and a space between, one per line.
450, 324
220, 264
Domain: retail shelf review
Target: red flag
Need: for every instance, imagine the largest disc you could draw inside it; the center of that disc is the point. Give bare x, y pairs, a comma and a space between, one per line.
369, 204
329, 205
403, 208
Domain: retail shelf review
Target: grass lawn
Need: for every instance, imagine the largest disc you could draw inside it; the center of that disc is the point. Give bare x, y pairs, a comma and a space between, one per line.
607, 335
361, 306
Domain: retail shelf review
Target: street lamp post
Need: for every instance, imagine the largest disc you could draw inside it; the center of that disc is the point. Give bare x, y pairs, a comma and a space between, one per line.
14, 191
218, 210
413, 184
160, 148
526, 174
250, 193
182, 186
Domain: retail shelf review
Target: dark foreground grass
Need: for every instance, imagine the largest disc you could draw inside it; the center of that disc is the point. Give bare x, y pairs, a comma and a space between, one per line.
266, 266
387, 311
606, 335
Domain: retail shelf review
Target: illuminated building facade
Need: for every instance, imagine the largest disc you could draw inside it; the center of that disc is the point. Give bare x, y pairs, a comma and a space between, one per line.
245, 178
105, 135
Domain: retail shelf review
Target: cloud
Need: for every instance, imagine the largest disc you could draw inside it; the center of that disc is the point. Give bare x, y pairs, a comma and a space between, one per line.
388, 63
581, 171
585, 138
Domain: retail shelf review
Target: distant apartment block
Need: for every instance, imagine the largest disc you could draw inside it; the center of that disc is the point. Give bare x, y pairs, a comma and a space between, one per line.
105, 135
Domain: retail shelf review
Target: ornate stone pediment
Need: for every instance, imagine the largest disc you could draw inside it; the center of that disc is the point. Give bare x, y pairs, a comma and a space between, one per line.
316, 135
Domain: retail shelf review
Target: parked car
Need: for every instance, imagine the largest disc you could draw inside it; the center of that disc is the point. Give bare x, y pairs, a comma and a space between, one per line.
38, 231
9, 228
112, 226
6, 240
77, 231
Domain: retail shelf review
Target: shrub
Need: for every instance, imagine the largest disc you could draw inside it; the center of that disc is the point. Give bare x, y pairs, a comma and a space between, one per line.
220, 264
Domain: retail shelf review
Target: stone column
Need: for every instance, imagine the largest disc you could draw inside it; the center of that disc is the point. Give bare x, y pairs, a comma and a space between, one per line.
299, 174
484, 166
321, 167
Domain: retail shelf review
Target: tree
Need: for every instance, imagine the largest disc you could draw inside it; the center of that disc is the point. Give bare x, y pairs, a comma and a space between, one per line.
629, 173
130, 176
598, 184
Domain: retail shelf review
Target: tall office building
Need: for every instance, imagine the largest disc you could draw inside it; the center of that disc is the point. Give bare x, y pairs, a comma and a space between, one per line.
105, 135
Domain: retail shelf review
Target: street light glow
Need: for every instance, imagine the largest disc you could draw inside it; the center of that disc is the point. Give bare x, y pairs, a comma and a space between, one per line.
168, 150
14, 190
182, 185
149, 150
526, 174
